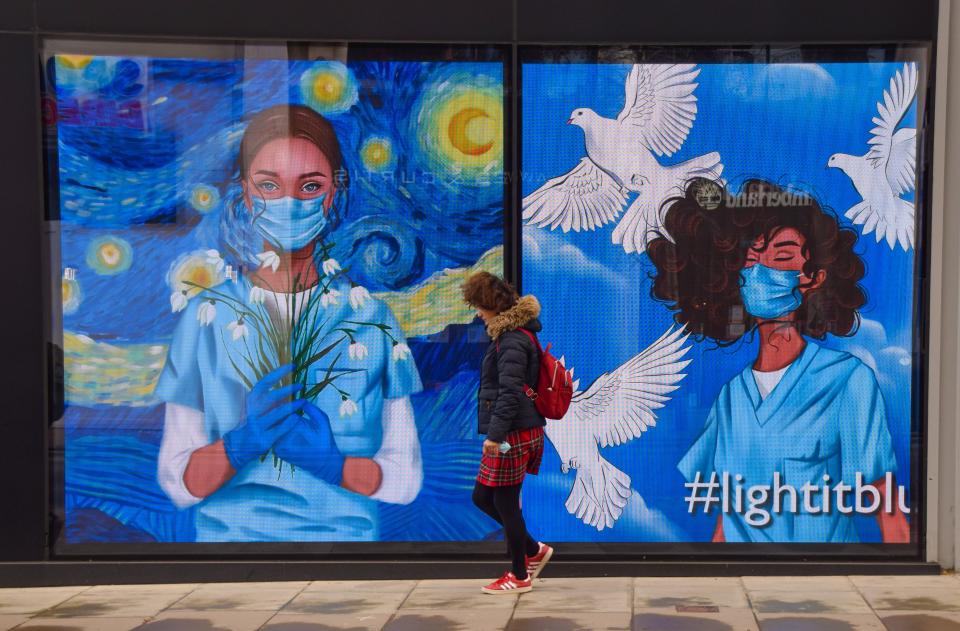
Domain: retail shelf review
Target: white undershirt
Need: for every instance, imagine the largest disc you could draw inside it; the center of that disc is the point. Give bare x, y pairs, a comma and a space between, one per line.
767, 381
278, 303
184, 431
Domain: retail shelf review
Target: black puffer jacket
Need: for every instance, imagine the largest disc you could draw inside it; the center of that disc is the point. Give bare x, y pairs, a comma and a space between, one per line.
503, 405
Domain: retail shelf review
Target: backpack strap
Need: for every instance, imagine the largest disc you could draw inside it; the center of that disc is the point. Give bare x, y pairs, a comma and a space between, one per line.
533, 338
527, 390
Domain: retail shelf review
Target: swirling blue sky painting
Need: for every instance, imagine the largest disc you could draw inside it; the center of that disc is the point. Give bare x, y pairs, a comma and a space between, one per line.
146, 161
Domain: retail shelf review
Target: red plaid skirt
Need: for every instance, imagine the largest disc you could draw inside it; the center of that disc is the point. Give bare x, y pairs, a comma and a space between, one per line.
526, 452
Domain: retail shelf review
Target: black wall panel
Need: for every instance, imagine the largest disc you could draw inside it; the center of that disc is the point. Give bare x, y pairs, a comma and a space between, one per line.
22, 401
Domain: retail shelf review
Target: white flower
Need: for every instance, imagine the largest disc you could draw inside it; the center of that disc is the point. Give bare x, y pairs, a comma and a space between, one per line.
195, 271
269, 259
178, 301
329, 297
239, 329
358, 296
214, 258
357, 351
331, 267
257, 295
348, 408
400, 351
207, 312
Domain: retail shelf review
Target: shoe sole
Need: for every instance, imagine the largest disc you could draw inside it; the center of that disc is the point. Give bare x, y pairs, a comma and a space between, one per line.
546, 559
516, 590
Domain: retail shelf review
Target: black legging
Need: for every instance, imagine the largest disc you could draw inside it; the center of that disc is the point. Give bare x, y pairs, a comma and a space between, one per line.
503, 504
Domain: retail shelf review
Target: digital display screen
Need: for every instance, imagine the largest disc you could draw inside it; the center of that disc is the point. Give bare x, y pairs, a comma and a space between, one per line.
228, 227
726, 255
260, 258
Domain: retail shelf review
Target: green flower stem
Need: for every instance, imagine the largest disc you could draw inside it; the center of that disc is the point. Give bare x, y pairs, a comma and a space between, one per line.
295, 341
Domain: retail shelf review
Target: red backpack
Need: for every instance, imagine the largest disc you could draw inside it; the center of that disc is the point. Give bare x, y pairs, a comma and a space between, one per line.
554, 383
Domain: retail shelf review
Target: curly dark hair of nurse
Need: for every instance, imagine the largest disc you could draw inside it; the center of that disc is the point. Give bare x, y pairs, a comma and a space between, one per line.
698, 271
488, 291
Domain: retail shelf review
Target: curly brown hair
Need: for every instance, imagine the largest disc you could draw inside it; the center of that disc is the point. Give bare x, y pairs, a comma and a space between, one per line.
489, 291
698, 270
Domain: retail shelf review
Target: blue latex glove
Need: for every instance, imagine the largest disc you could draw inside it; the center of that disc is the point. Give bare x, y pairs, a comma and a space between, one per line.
310, 446
270, 414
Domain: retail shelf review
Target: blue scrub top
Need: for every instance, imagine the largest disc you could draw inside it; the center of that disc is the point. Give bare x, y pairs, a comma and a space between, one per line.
826, 416
258, 503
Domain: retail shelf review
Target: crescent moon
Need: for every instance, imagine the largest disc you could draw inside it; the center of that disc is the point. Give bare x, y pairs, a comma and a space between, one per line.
457, 129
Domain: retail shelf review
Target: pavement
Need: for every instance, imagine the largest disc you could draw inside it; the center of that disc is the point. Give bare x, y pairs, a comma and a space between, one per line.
827, 603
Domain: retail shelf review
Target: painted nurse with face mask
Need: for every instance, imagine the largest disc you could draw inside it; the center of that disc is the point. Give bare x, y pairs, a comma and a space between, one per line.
346, 447
780, 270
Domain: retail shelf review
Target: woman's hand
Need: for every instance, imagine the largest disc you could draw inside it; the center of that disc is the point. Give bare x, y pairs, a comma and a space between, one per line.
271, 413
311, 446
490, 448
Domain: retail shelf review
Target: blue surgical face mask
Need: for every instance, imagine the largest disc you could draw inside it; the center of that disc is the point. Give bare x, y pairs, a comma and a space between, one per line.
769, 293
290, 223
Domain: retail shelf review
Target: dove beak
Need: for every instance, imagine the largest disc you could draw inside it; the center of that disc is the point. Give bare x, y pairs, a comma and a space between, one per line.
569, 121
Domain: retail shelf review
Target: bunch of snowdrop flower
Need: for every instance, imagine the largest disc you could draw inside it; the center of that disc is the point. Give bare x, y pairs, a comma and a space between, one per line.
280, 341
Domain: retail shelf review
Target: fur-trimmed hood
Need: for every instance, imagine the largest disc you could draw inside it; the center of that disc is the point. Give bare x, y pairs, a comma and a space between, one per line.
520, 314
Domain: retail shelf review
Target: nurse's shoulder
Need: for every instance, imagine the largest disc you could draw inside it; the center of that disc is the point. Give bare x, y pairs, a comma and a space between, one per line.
375, 310
842, 368
372, 309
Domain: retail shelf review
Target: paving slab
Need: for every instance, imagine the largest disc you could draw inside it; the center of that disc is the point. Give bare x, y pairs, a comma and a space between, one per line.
454, 583
808, 601
9, 621
380, 587
81, 624
241, 596
578, 594
669, 619
442, 600
207, 621
35, 599
718, 594
938, 598
920, 620
120, 601
792, 583
921, 581
327, 622
819, 622
344, 602
463, 619
688, 581
569, 621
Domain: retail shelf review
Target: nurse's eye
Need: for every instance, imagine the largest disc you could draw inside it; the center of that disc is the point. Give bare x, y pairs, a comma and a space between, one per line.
268, 186
785, 255
310, 187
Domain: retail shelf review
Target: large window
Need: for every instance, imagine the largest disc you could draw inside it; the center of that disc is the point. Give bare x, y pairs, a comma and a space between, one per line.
228, 211
725, 245
259, 250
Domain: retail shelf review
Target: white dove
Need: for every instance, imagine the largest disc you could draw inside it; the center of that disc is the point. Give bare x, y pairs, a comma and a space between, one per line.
887, 170
658, 111
616, 408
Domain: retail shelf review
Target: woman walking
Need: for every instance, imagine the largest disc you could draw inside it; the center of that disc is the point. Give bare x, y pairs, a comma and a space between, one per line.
508, 417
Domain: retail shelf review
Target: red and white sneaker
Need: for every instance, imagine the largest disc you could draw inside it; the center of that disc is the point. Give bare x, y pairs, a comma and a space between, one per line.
536, 563
508, 584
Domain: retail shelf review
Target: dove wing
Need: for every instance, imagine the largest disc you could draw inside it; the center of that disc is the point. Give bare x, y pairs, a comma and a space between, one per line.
895, 150
620, 405
660, 104
583, 199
